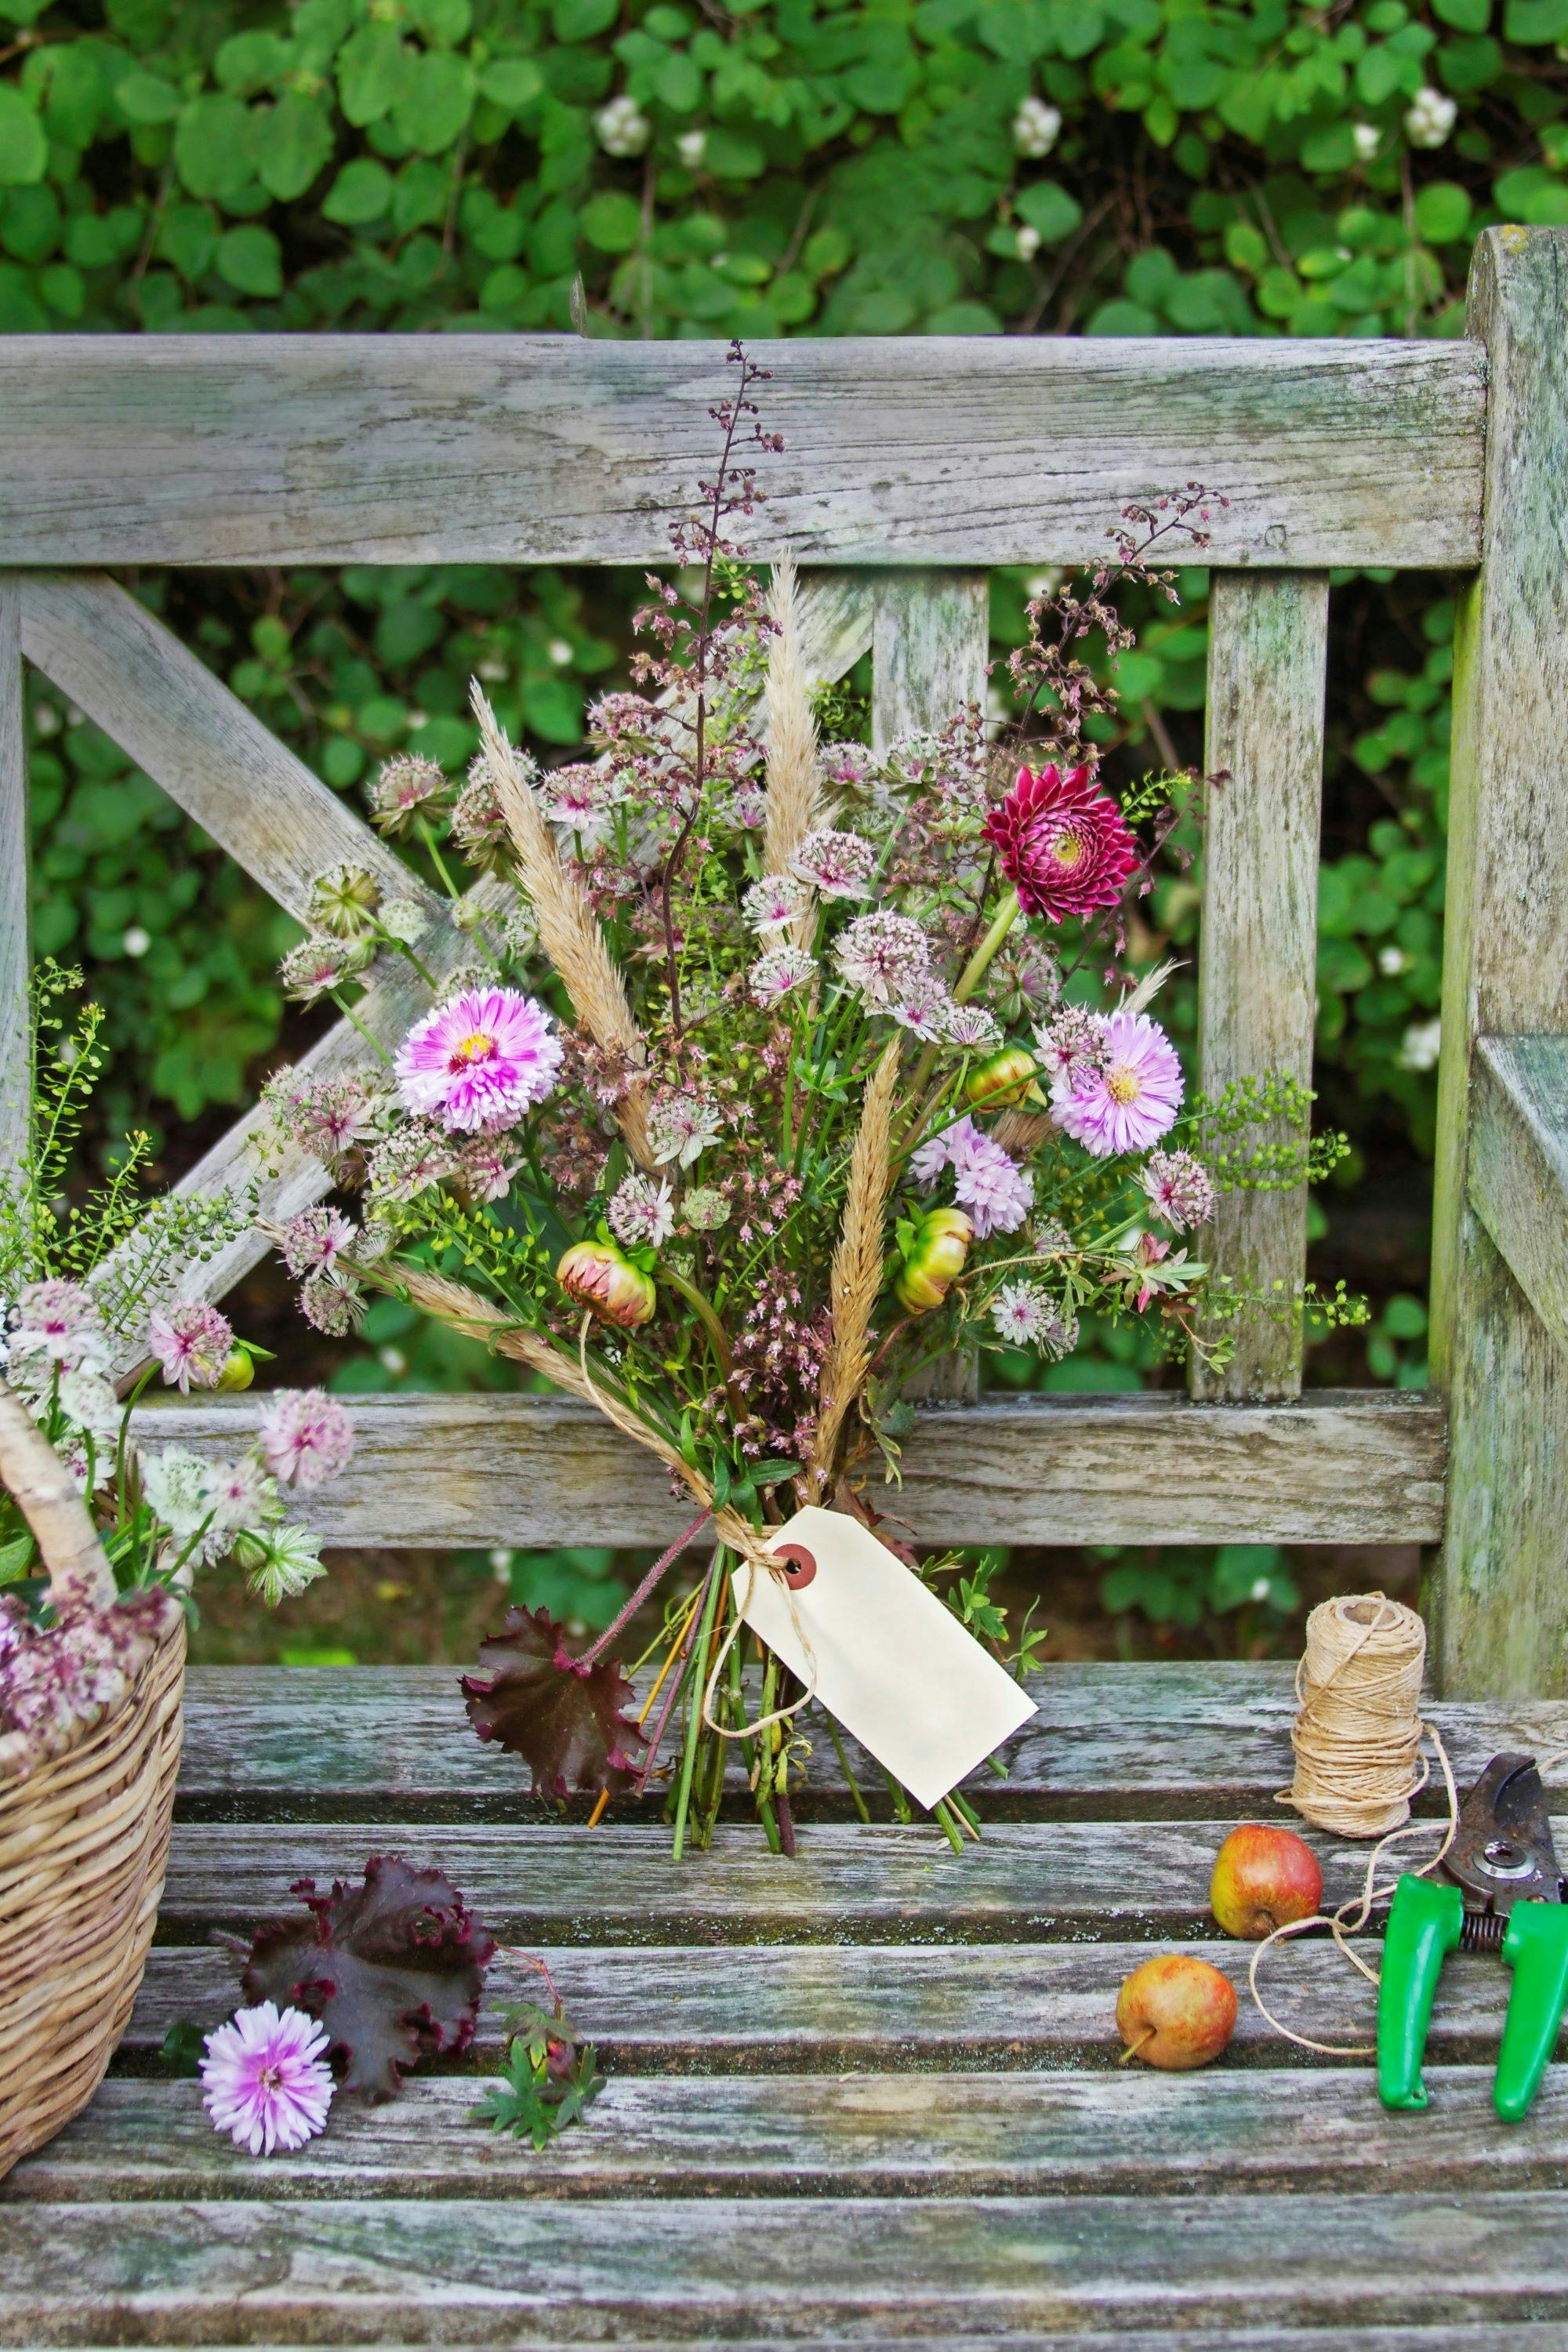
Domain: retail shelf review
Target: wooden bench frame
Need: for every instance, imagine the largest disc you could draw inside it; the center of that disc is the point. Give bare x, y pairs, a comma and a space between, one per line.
910, 466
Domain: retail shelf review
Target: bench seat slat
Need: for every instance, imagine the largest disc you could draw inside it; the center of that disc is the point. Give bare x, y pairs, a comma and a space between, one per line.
820, 2134
684, 2009
514, 449
509, 2272
1357, 1466
1022, 1881
1107, 1742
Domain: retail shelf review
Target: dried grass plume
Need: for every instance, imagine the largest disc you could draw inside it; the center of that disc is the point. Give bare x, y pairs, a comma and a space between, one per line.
568, 927
795, 800
857, 1262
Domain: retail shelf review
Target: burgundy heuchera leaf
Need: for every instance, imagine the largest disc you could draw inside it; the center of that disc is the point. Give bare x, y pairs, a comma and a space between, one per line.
564, 1719
393, 1969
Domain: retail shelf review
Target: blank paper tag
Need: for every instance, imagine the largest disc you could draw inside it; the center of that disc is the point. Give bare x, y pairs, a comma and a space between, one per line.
881, 1652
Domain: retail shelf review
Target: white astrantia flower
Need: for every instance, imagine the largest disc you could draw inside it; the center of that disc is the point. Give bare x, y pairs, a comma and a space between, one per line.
680, 1128
403, 919
177, 1488
291, 1559
971, 1028
839, 864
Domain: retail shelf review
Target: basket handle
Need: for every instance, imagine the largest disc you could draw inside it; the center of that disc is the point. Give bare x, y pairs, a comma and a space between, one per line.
30, 1469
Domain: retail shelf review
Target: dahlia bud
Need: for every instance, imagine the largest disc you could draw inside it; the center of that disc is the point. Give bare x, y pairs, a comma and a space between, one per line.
600, 1277
1004, 1077
238, 1370
934, 1260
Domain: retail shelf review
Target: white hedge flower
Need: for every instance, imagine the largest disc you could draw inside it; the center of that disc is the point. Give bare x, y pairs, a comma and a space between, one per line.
1420, 1046
1036, 127
691, 147
622, 127
1429, 117
1027, 241
1367, 138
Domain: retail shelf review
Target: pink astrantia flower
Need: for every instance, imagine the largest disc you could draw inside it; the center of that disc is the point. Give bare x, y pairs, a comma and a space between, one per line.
1128, 1103
988, 1184
266, 2080
305, 1437
59, 1321
775, 901
191, 1342
642, 1212
312, 1242
839, 864
1179, 1187
779, 972
924, 1011
886, 956
479, 1062
1062, 844
486, 1169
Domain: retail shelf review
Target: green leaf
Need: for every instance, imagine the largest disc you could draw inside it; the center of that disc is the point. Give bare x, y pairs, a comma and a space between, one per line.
24, 151
1533, 23
579, 20
436, 103
290, 143
361, 193
374, 71
250, 259
612, 221
212, 147
1048, 210
147, 98
248, 62
511, 83
14, 1558
1464, 15
1442, 212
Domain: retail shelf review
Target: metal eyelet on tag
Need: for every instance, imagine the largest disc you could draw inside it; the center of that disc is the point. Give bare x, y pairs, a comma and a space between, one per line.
799, 1565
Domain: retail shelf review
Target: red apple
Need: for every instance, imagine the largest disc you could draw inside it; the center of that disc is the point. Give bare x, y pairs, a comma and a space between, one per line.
1175, 2011
1264, 1878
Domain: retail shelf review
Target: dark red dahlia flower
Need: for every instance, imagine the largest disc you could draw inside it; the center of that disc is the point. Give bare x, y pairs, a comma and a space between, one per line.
1062, 844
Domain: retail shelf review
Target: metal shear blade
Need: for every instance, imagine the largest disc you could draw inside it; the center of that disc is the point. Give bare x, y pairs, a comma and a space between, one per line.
1503, 1852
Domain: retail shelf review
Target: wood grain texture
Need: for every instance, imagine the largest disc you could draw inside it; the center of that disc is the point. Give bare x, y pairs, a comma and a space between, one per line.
771, 2269
676, 2011
561, 1882
1501, 1598
16, 862
869, 2135
1519, 1165
193, 737
1107, 1742
929, 651
1258, 953
512, 449
1361, 1467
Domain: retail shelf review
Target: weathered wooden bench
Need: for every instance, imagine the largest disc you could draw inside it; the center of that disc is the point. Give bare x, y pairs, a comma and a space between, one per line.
870, 2095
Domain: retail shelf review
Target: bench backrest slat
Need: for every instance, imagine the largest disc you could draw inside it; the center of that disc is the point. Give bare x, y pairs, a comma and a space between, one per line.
516, 449
1257, 951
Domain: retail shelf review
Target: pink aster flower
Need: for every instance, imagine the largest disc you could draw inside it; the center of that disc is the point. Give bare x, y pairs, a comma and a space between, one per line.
1131, 1101
304, 1437
1062, 844
1179, 1187
266, 2080
479, 1060
191, 1342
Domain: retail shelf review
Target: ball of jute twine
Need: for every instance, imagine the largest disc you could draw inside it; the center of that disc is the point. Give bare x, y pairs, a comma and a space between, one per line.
1357, 1734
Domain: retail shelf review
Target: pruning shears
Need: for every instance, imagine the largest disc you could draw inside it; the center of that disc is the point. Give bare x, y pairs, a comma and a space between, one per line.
1498, 1889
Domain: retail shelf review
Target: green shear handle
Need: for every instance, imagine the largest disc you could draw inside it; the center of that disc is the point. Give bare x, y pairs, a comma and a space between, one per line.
1426, 1922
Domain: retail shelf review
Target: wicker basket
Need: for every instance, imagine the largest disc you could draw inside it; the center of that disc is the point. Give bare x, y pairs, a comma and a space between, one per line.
83, 1841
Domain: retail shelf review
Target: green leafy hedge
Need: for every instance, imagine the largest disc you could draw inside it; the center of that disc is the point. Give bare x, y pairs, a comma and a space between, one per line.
750, 167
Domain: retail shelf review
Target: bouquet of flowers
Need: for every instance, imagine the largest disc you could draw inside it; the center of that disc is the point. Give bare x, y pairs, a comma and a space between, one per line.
779, 1073
102, 1532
